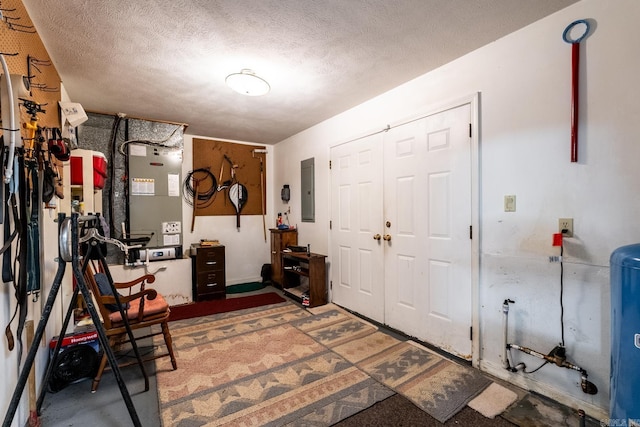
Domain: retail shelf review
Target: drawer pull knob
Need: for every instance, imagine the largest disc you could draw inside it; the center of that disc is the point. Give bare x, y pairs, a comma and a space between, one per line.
211, 285
211, 262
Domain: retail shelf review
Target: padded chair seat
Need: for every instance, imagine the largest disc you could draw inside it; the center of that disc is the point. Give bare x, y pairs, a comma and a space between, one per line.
152, 307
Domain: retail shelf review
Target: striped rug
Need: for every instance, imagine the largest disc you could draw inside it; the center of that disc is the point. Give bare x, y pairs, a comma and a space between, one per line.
437, 385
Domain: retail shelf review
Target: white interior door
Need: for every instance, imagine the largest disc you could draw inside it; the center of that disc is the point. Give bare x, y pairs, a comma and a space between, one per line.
427, 207
356, 212
412, 186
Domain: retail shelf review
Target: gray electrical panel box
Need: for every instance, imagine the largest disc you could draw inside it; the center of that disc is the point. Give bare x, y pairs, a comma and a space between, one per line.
307, 186
155, 202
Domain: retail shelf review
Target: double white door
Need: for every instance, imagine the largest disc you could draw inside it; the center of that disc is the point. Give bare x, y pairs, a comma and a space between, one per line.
400, 237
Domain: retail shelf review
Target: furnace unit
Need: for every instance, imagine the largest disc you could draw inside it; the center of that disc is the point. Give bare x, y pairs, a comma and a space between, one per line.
155, 204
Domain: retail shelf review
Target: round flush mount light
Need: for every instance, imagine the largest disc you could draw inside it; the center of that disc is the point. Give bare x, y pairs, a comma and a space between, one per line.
247, 83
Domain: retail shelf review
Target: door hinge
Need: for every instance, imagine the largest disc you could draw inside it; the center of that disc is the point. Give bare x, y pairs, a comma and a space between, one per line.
471, 333
470, 132
471, 232
329, 164
330, 284
330, 225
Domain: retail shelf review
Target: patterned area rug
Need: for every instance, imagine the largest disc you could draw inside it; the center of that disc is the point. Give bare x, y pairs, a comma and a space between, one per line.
254, 368
438, 386
282, 365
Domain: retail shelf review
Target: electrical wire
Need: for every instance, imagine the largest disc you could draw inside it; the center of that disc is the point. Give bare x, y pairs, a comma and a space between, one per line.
207, 195
561, 293
112, 158
152, 143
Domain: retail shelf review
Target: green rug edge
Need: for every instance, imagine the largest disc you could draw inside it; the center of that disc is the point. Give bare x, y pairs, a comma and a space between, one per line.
245, 287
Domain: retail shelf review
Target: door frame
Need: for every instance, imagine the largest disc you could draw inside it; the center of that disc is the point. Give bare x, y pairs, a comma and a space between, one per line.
474, 102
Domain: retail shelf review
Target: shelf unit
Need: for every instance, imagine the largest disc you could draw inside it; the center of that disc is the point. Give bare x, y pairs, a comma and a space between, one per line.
305, 277
280, 239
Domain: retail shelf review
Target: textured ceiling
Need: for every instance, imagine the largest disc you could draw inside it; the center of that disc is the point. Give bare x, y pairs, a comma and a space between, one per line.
167, 60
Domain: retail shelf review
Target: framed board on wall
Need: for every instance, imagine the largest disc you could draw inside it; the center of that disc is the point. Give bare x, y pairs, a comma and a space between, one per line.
230, 162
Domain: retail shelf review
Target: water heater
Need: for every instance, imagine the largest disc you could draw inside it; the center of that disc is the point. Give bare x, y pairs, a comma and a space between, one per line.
624, 404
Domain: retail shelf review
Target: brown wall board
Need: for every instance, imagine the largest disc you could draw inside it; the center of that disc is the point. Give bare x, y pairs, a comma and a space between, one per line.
19, 37
209, 154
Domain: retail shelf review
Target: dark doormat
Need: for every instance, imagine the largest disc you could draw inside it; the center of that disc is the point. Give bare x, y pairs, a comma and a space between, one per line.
204, 308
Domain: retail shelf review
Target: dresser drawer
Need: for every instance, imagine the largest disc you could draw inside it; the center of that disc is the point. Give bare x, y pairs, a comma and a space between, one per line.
210, 259
210, 281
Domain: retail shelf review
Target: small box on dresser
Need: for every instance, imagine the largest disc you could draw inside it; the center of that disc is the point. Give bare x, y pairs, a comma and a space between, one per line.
208, 272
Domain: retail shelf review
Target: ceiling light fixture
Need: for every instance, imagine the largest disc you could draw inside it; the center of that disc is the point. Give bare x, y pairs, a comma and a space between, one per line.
247, 83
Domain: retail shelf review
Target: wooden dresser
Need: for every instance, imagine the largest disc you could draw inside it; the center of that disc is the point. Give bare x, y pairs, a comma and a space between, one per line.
208, 272
280, 239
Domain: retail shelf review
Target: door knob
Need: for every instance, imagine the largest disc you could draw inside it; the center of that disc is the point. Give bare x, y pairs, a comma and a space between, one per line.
387, 237
376, 237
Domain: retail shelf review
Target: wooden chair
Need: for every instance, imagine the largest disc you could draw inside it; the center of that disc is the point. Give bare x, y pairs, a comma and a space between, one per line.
144, 308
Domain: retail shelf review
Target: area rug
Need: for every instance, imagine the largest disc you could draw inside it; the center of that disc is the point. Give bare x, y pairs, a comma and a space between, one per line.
204, 308
254, 368
283, 365
438, 386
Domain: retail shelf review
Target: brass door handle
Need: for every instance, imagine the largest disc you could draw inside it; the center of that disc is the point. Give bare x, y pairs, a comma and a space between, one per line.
377, 237
387, 237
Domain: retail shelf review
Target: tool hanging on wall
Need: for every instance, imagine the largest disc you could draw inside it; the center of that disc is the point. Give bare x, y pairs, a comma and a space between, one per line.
203, 193
13, 87
34, 163
575, 81
262, 204
237, 192
238, 196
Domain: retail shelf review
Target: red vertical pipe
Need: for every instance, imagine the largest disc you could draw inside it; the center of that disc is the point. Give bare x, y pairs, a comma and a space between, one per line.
575, 86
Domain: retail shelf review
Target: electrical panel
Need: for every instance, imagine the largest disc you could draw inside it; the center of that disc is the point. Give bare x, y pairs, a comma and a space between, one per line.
154, 196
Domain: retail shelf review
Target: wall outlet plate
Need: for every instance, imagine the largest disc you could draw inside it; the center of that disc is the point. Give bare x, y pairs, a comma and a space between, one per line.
565, 224
172, 227
510, 203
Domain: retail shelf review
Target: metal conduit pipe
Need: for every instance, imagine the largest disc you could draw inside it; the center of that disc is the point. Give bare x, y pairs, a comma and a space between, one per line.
557, 356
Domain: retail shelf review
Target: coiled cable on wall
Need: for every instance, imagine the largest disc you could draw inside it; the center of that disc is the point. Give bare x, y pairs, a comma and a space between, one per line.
206, 184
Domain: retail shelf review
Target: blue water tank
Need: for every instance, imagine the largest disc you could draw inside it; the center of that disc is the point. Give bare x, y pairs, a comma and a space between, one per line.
624, 403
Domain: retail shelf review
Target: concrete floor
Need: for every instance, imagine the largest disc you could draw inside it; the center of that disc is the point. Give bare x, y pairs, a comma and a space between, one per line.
75, 405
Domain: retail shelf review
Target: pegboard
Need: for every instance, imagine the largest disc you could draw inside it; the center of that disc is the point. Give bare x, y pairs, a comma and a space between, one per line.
20, 37
210, 154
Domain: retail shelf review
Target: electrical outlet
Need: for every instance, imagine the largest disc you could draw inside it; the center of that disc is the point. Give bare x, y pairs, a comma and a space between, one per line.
566, 224
172, 227
510, 203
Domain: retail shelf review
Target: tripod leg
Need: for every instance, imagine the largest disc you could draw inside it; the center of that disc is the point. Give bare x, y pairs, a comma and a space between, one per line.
123, 312
56, 351
104, 342
31, 355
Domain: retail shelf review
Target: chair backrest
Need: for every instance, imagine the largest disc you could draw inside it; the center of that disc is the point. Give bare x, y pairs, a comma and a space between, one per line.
142, 305
104, 303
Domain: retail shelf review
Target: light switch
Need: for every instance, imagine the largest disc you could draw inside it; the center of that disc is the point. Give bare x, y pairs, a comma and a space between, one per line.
510, 203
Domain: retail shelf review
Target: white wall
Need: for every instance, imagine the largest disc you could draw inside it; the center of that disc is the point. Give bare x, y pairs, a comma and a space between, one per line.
525, 86
245, 250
